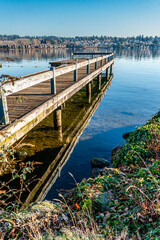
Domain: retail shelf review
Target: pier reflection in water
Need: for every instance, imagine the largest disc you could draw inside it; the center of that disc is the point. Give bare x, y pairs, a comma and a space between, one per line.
53, 147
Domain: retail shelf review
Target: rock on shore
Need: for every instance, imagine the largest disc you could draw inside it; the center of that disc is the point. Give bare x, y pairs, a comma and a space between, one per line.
99, 163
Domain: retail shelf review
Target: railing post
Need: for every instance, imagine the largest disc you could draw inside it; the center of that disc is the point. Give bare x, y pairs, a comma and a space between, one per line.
108, 59
105, 60
88, 67
96, 64
101, 62
53, 81
76, 72
4, 117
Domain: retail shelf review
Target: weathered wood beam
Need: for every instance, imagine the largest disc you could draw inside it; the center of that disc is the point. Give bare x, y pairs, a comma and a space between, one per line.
27, 81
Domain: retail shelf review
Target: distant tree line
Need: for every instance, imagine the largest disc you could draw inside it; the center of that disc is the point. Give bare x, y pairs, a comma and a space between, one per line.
82, 38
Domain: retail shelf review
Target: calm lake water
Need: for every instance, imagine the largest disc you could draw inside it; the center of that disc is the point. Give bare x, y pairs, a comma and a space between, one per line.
131, 100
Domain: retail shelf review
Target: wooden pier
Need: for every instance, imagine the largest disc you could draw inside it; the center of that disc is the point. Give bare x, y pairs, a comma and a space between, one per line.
33, 97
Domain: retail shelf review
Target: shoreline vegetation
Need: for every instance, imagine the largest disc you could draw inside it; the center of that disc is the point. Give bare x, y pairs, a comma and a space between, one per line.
122, 202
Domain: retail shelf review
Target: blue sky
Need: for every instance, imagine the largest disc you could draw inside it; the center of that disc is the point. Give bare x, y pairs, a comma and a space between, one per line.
80, 17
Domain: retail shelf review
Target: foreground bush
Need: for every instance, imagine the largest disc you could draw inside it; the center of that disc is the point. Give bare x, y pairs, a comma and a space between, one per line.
122, 203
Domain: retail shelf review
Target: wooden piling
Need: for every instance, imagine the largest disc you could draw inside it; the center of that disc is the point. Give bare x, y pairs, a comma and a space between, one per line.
57, 118
89, 91
99, 77
107, 74
111, 69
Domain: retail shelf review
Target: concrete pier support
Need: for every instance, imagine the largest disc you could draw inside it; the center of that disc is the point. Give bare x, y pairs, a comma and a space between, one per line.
99, 78
89, 91
107, 74
57, 118
111, 69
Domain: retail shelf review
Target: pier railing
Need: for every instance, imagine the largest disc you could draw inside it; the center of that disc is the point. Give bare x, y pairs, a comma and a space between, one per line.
57, 68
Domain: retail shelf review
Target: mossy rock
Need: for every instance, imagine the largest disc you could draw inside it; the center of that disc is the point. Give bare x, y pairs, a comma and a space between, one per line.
99, 163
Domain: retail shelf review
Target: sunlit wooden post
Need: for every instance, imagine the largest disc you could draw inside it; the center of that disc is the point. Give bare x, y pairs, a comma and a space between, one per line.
99, 77
57, 118
4, 117
53, 81
89, 91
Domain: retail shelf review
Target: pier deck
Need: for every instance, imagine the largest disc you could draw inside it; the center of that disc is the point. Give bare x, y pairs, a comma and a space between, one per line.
39, 93
42, 92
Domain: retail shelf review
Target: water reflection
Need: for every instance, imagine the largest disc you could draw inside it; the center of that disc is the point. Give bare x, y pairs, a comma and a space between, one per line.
29, 54
138, 53
62, 53
51, 146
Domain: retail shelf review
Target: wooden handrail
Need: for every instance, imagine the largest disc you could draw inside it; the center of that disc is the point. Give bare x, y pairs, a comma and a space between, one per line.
36, 78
